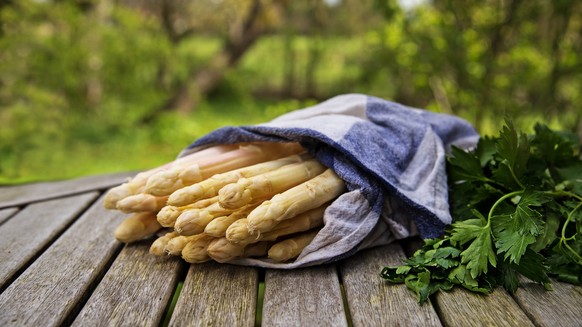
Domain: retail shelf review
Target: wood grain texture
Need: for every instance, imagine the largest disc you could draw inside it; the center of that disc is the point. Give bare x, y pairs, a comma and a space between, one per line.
135, 291
27, 193
560, 307
64, 282
462, 308
217, 295
49, 291
29, 232
303, 297
5, 214
372, 301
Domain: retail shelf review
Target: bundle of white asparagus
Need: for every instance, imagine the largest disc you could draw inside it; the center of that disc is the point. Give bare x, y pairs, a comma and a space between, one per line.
228, 201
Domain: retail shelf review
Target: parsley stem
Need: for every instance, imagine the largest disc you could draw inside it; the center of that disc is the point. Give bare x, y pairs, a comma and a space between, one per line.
564, 240
494, 182
501, 199
515, 178
564, 193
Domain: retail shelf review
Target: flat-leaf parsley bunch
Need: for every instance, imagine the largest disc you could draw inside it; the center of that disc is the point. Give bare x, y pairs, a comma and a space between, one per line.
516, 202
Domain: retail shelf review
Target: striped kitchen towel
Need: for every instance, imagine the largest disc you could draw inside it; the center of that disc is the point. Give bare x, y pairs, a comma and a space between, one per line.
392, 158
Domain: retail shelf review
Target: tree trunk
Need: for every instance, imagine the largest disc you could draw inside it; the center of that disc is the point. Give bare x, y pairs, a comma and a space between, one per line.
199, 83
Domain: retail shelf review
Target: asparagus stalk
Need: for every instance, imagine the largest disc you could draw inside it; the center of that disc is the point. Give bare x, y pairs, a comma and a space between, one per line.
238, 232
137, 184
301, 198
116, 194
168, 215
141, 202
177, 244
221, 250
210, 187
136, 227
158, 247
170, 180
193, 221
291, 247
267, 184
195, 251
218, 226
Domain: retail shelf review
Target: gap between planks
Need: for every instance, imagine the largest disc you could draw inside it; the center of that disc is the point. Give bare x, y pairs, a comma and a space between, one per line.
7, 213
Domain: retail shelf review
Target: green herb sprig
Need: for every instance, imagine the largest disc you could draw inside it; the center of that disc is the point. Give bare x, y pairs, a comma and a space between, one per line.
516, 202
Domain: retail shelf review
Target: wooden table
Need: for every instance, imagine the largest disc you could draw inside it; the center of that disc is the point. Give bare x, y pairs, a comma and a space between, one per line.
60, 265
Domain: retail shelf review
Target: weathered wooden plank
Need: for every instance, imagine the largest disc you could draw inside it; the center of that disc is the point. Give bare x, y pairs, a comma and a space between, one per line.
462, 308
560, 307
303, 297
374, 302
27, 193
7, 213
29, 232
135, 290
217, 295
49, 291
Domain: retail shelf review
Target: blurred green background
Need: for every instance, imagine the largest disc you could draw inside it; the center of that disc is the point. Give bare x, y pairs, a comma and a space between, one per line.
90, 87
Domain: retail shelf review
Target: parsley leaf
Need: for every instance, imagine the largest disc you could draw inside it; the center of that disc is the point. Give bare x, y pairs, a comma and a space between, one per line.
513, 151
516, 203
515, 231
466, 167
479, 254
572, 174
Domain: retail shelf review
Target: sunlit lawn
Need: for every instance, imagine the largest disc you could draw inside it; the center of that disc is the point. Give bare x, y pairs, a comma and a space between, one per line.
141, 147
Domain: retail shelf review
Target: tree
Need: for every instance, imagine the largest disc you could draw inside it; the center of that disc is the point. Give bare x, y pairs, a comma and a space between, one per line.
486, 59
251, 21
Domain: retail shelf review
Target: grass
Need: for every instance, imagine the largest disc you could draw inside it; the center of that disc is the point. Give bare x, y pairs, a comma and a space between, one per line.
138, 148
172, 306
260, 299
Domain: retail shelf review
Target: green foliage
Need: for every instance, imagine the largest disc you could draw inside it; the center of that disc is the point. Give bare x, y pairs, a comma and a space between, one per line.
483, 60
77, 81
524, 220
